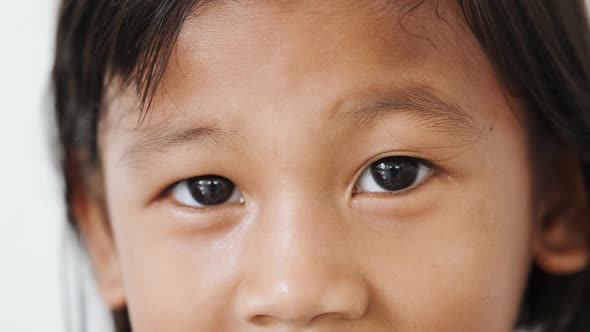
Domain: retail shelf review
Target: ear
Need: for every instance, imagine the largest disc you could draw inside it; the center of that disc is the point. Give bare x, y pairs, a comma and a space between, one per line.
92, 219
562, 232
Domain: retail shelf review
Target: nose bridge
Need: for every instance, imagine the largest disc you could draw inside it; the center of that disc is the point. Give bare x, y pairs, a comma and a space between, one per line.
300, 230
301, 269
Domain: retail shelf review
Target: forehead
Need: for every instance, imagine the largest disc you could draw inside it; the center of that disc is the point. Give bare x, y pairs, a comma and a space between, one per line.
301, 36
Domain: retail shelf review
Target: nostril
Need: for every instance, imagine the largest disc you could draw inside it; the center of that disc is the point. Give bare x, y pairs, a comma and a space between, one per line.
285, 308
266, 320
261, 320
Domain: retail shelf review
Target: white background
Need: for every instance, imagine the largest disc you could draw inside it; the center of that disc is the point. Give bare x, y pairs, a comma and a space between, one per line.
32, 220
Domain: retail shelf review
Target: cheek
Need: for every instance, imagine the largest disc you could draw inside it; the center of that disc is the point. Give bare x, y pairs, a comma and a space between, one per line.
172, 282
461, 270
175, 286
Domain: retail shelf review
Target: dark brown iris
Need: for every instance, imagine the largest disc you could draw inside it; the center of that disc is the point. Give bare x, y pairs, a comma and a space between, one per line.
211, 190
395, 173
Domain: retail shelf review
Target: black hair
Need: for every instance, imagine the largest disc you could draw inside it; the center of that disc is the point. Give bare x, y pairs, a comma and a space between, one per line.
541, 49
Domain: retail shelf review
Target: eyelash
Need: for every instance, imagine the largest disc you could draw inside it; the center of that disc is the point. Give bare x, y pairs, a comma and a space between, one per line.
423, 179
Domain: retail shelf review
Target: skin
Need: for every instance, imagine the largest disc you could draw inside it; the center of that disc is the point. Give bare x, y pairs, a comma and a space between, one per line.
277, 97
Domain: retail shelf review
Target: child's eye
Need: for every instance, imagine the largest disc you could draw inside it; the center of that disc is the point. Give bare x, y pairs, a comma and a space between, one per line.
393, 174
205, 191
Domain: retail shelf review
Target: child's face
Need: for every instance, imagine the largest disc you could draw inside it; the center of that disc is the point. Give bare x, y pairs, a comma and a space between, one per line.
308, 108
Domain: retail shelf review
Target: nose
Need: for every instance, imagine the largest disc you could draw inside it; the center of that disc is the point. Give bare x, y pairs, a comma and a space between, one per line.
300, 299
301, 272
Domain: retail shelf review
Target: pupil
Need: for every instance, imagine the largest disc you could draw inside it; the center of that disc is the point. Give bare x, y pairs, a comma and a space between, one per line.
211, 190
395, 173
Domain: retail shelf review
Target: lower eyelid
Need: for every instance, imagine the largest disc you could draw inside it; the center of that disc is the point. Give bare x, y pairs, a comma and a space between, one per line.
205, 209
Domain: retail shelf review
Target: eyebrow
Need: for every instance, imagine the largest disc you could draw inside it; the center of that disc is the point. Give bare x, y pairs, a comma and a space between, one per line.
166, 138
421, 104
